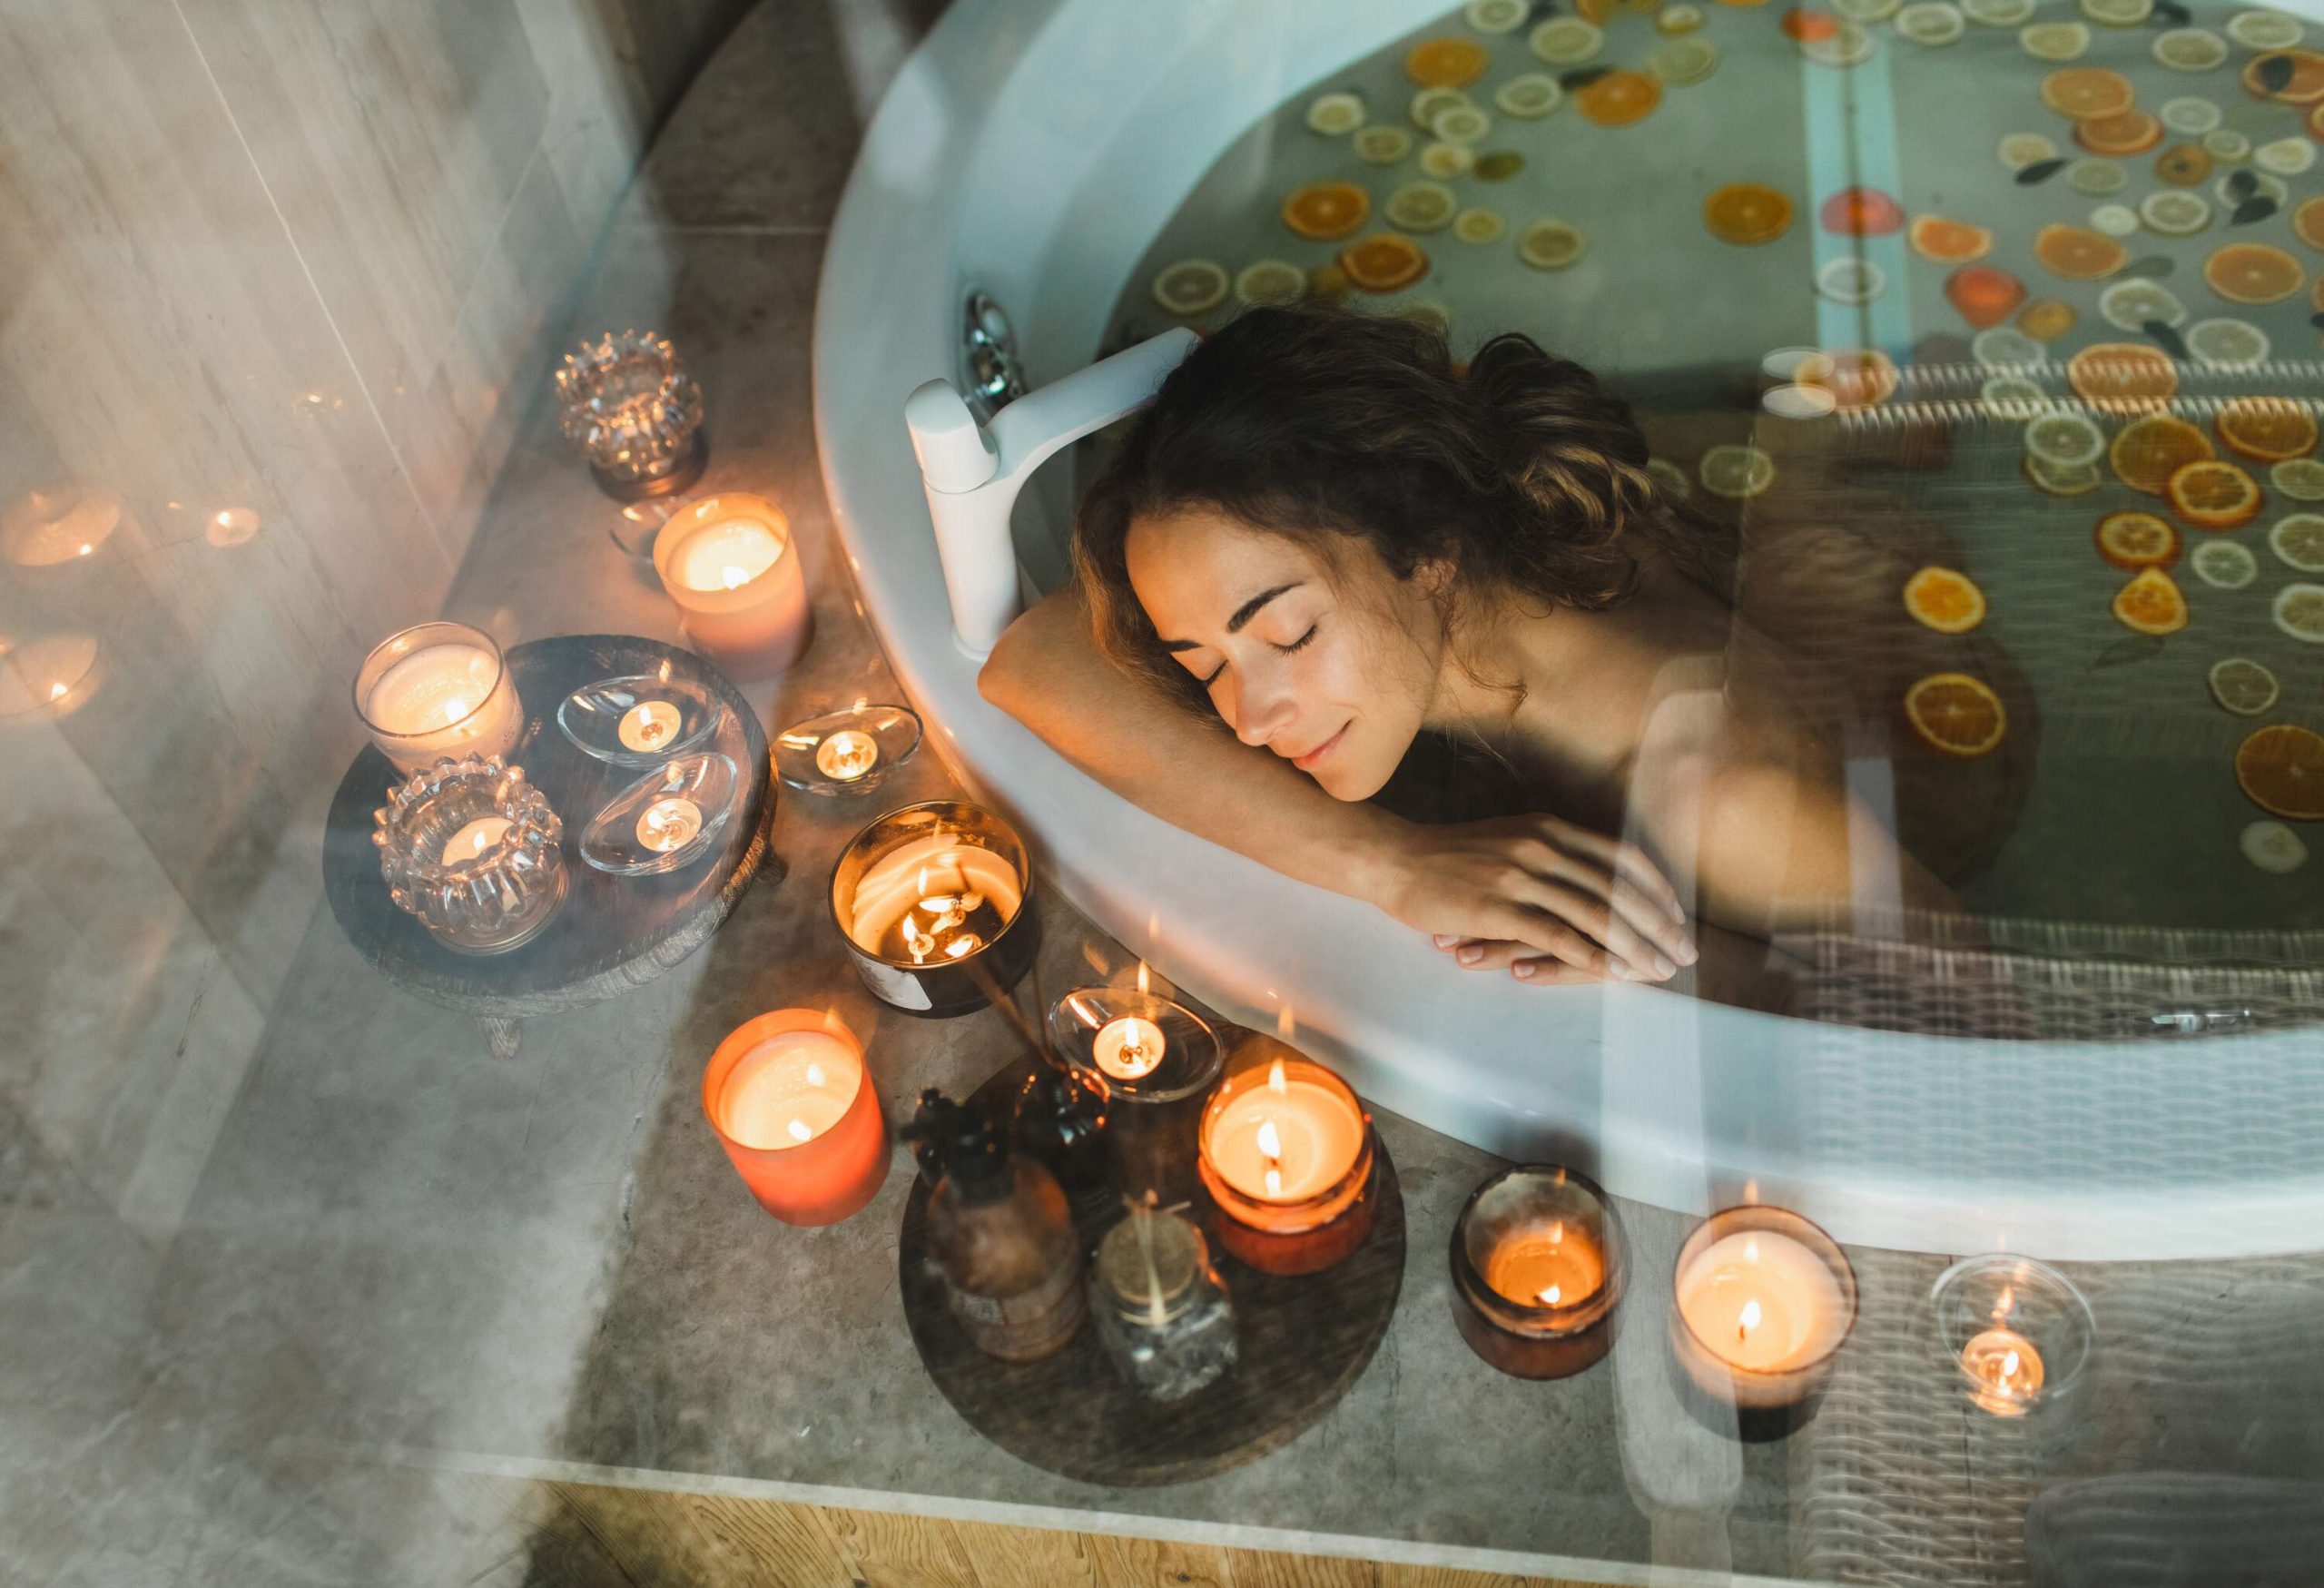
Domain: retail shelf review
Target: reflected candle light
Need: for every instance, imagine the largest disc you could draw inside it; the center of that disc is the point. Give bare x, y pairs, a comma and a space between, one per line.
1537, 1271
1765, 1301
648, 724
471, 841
1286, 1151
847, 756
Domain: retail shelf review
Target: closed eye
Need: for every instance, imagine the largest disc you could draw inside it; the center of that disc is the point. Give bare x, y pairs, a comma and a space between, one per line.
1300, 642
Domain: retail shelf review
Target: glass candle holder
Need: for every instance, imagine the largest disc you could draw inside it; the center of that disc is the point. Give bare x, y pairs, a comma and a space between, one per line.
1537, 1265
934, 903
1762, 1302
628, 402
728, 563
792, 1101
1162, 1312
1285, 1149
474, 852
1156, 1061
847, 752
2017, 1332
438, 692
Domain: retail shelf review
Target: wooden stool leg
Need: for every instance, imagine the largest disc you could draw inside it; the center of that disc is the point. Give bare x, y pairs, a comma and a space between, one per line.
503, 1036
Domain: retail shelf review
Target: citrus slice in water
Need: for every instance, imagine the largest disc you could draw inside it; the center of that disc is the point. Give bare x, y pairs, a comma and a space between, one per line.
2045, 320
2073, 479
1384, 263
1746, 213
1955, 714
1496, 15
2307, 222
2223, 564
2148, 451
2273, 847
1382, 145
1866, 12
1461, 124
1190, 286
2253, 272
1861, 211
2183, 164
1679, 18
2297, 541
2226, 344
2124, 377
2114, 220
1431, 102
1335, 113
1847, 45
2238, 186
2137, 303
1325, 211
1446, 160
2300, 83
1670, 477
1529, 97
2054, 41
1984, 295
1551, 245
1933, 23
2012, 398
2003, 346
1802, 22
2129, 132
2298, 611
2300, 479
2077, 253
2285, 156
1446, 63
1855, 377
2264, 30
1565, 41
1684, 60
1619, 98
2174, 212
1934, 237
2019, 150
2266, 430
1944, 600
2095, 177
1270, 280
2132, 541
2189, 49
2064, 440
2243, 685
2190, 114
2152, 604
1850, 280
2282, 767
1737, 473
1999, 12
2227, 144
2213, 495
1421, 206
2083, 93
1479, 225
2117, 13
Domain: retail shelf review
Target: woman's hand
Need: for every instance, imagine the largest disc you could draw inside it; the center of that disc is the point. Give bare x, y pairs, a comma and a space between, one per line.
1550, 900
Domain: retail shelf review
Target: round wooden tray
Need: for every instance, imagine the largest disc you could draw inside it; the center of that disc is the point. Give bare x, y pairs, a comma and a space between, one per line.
612, 933
1303, 1342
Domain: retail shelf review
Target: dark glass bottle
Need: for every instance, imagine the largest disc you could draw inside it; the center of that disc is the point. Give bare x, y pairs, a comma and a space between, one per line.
999, 1232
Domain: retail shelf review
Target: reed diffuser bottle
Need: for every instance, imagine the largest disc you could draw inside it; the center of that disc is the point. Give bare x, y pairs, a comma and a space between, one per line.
999, 1232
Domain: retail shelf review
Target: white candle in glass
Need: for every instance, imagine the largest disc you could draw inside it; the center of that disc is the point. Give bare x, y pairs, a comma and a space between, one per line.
790, 1089
471, 841
728, 562
1760, 1300
426, 702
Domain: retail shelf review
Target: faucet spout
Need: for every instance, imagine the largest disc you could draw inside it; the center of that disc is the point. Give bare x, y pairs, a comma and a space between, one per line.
973, 472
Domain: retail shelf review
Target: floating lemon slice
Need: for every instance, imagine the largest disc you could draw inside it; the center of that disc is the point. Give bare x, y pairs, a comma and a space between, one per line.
2012, 398
1191, 287
2273, 847
1957, 714
1931, 23
1496, 15
1737, 473
2000, 12
2086, 93
2266, 430
2045, 320
2189, 49
1944, 600
2190, 114
2213, 494
2300, 479
1847, 45
1851, 279
1864, 12
2173, 213
1431, 102
1382, 145
2133, 303
2223, 565
2152, 604
2095, 177
2003, 347
2297, 541
1529, 97
1551, 245
2054, 41
1684, 60
2132, 541
2068, 481
2147, 451
1682, 17
2243, 685
2253, 272
1461, 124
2264, 30
2298, 611
2020, 150
1446, 160
2227, 145
2114, 220
1333, 114
2236, 186
1565, 41
2285, 156
2066, 440
1270, 280
2226, 344
1479, 225
1421, 206
1432, 318
2117, 13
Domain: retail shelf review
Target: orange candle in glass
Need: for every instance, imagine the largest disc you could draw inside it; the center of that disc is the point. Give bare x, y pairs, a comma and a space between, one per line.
1285, 1152
792, 1102
729, 563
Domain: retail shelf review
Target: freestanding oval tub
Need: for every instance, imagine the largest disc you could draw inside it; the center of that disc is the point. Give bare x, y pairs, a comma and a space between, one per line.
1031, 149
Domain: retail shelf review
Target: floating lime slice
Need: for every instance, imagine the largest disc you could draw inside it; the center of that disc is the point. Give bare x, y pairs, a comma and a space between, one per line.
2232, 189
1382, 145
1551, 245
1333, 114
2297, 539
1479, 225
1428, 314
1431, 102
1270, 280
2273, 847
2227, 145
2005, 347
2013, 398
1529, 97
1191, 286
2243, 686
2133, 303
1421, 206
2189, 114
1565, 41
1851, 279
2000, 12
2077, 479
2226, 344
1446, 160
2189, 49
2020, 150
2094, 176
1737, 473
2117, 13
2064, 440
1497, 15
2264, 30
1867, 12
1670, 477
2298, 611
1461, 123
2174, 213
2054, 40
1684, 60
2223, 564
2114, 220
2285, 156
2300, 479
1931, 21
1685, 17
1847, 45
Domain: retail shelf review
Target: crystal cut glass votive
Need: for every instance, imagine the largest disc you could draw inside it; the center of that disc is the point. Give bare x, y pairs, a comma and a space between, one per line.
474, 852
846, 751
634, 411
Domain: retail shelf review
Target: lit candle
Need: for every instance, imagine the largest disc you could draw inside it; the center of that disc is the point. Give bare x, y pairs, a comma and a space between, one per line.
471, 841
1128, 1048
729, 564
2004, 1372
1537, 1271
1543, 1267
669, 823
925, 898
847, 756
1286, 1151
932, 901
438, 692
649, 725
1764, 1300
792, 1101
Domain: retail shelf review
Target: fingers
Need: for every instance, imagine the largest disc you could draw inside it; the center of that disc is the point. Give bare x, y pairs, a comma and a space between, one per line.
1634, 958
1549, 973
1637, 887
1641, 917
1521, 960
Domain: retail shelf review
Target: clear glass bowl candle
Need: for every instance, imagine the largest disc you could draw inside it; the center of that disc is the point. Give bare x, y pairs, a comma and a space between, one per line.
631, 407
1538, 1268
474, 850
1156, 1061
667, 819
641, 720
849, 751
438, 692
2017, 1332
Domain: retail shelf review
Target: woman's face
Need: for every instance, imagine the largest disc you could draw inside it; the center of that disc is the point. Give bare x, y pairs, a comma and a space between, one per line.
1331, 666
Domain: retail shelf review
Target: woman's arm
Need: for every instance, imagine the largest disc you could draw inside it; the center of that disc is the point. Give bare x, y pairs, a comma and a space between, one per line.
1567, 893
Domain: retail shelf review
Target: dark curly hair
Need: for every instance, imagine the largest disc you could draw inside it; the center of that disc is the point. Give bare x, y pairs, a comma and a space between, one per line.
1524, 472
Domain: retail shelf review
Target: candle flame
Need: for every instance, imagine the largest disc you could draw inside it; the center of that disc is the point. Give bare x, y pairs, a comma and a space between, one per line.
799, 1131
2002, 1304
1275, 1182
1550, 1297
56, 691
455, 708
1557, 1233
1145, 981
2009, 1368
814, 1075
1269, 1143
966, 943
1274, 1077
1750, 1319
733, 577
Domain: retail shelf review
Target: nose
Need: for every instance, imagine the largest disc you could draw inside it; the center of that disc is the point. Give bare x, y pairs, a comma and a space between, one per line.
1263, 710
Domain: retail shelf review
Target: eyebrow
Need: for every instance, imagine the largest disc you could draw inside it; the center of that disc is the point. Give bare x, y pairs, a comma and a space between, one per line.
1242, 615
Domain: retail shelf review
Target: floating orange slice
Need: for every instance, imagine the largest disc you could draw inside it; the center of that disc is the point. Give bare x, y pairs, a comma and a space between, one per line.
2282, 769
2079, 253
1805, 23
2252, 273
1948, 241
2316, 121
1619, 98
1855, 377
2045, 320
2147, 451
1384, 263
1948, 602
2266, 430
2087, 93
2307, 221
1985, 294
2213, 495
2129, 131
1327, 283
1325, 211
1955, 714
2152, 604
1446, 63
2133, 540
1746, 213
2304, 86
2183, 164
1862, 212
2122, 377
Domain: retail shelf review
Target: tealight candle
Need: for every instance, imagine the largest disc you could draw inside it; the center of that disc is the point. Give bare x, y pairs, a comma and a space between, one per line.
649, 725
2017, 1331
1155, 1062
471, 841
669, 823
1764, 1299
1286, 1151
932, 900
1537, 1271
792, 1102
1128, 1048
2004, 1372
847, 756
729, 563
440, 691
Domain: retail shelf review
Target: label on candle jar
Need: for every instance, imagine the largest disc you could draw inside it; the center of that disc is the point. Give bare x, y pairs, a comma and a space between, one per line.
900, 988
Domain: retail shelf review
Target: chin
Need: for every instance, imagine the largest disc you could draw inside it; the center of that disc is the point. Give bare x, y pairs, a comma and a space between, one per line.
1348, 774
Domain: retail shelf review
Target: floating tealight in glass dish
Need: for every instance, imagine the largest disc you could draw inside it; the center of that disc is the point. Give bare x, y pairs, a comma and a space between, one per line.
665, 820
641, 720
2017, 1331
847, 751
1157, 1061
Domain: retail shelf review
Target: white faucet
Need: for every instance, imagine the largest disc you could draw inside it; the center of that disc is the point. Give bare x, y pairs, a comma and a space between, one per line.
973, 472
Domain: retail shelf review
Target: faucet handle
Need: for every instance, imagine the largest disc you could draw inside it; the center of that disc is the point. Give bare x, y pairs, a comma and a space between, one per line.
955, 454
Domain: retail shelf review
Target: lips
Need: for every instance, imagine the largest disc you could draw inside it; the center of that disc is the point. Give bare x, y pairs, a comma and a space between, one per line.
1307, 762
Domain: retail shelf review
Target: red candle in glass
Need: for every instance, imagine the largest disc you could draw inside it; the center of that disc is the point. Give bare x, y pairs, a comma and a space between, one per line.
793, 1104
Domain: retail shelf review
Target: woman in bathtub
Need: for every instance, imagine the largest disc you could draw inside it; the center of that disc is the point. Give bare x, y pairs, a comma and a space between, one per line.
1322, 539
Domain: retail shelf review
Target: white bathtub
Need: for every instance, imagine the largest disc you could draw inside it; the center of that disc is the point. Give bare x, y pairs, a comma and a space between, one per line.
1018, 115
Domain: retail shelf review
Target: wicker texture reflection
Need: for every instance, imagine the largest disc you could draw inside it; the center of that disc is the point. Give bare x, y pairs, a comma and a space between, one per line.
474, 852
